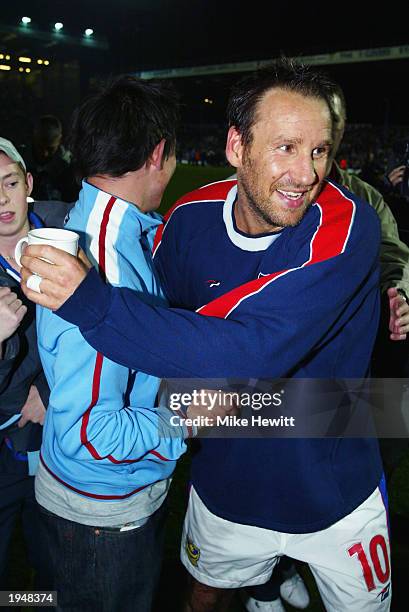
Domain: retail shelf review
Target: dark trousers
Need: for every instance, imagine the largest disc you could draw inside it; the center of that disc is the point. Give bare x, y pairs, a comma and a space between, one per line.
97, 569
17, 498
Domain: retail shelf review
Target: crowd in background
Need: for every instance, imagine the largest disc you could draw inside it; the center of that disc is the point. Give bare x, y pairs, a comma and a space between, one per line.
366, 149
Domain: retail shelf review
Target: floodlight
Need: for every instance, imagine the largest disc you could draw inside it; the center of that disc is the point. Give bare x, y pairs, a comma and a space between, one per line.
89, 32
26, 20
58, 26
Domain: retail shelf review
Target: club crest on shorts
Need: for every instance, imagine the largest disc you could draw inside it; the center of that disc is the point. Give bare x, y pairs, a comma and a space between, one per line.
192, 551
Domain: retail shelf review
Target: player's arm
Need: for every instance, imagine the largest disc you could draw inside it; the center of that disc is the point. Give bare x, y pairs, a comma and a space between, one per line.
84, 407
268, 334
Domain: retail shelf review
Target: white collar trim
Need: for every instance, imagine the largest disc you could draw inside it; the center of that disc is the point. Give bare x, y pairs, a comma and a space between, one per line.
246, 243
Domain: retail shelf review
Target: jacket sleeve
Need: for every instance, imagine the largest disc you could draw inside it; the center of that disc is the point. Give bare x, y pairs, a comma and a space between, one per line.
90, 417
268, 333
40, 382
11, 348
394, 254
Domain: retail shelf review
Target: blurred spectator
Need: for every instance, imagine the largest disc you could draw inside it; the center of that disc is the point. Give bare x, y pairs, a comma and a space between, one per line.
50, 163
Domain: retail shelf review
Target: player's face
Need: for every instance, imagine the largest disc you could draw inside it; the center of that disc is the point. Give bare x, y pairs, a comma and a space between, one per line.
14, 189
280, 172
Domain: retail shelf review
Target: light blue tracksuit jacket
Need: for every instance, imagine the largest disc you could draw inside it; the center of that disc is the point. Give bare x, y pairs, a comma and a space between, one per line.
103, 436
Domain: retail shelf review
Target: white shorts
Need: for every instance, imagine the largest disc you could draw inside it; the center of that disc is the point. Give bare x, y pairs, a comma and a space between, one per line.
350, 560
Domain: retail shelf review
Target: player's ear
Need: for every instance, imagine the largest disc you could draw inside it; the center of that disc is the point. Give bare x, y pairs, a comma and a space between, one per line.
234, 147
156, 157
29, 183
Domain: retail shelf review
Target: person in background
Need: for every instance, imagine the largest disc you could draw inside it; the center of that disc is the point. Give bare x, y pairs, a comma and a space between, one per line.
23, 389
50, 162
394, 254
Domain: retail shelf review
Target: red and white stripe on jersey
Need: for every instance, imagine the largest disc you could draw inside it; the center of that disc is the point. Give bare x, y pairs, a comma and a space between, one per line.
103, 226
214, 192
329, 240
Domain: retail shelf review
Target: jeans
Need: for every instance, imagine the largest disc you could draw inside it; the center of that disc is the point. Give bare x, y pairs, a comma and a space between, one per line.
17, 498
98, 569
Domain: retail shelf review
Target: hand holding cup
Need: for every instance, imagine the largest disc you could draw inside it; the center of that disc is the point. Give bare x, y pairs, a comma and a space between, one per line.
66, 240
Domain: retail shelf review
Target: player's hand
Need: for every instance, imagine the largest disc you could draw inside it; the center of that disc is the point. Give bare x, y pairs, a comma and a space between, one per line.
396, 175
34, 409
59, 279
398, 315
223, 407
12, 311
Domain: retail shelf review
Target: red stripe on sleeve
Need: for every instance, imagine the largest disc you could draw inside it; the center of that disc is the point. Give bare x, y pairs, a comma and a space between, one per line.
96, 381
102, 237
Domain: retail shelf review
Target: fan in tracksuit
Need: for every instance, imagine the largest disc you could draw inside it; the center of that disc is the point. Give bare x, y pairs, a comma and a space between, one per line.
23, 389
282, 271
105, 464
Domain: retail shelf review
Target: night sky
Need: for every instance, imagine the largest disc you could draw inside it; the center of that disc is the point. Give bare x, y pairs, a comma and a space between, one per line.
149, 34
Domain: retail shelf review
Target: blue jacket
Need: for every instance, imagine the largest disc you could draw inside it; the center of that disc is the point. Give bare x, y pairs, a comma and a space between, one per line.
21, 366
303, 305
103, 436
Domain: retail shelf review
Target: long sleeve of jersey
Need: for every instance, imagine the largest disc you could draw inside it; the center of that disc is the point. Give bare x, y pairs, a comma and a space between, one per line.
270, 326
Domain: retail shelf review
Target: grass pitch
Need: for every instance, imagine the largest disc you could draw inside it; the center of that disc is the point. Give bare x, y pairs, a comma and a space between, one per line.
187, 178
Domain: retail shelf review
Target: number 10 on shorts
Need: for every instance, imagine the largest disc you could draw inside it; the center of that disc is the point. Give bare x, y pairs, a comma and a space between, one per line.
373, 562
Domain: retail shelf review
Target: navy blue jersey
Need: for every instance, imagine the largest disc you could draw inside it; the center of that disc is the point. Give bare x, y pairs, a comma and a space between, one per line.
301, 303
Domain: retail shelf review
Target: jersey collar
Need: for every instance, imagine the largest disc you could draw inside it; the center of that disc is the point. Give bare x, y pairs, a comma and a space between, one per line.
243, 241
